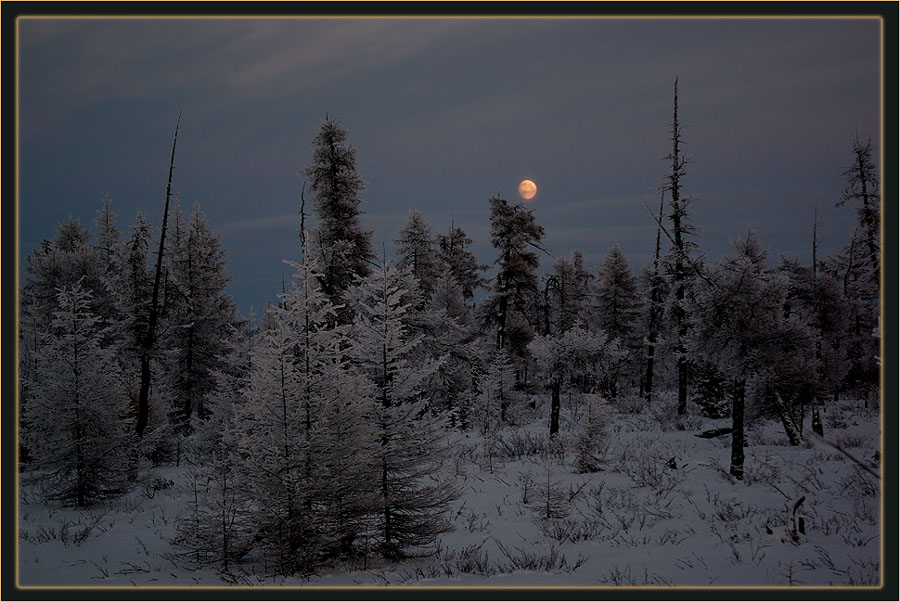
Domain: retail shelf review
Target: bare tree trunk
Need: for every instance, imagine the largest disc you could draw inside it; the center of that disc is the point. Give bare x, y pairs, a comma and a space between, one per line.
554, 408
678, 163
737, 430
790, 427
150, 337
654, 308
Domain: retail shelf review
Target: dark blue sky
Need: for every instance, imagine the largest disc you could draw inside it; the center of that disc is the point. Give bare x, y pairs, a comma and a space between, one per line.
444, 113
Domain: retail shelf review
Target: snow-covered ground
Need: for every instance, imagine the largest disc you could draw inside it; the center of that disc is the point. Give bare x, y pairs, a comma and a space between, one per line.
661, 511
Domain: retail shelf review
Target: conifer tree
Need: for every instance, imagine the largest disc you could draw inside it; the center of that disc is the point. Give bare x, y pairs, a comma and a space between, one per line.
57, 263
412, 500
416, 250
857, 268
462, 263
741, 327
108, 236
617, 305
568, 294
215, 529
496, 393
862, 186
577, 352
305, 444
275, 452
511, 306
199, 315
342, 247
76, 426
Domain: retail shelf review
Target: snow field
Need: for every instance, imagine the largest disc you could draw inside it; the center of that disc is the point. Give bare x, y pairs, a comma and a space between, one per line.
661, 511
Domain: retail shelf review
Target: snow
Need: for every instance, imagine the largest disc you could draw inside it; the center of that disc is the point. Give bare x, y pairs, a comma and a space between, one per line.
637, 521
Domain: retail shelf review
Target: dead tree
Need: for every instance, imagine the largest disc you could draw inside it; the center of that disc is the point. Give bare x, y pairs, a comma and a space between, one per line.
655, 292
150, 336
680, 228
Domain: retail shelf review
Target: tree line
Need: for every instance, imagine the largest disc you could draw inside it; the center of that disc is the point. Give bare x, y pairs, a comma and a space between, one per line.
314, 431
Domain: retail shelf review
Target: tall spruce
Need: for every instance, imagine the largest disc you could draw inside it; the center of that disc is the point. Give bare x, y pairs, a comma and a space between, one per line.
617, 306
77, 430
862, 188
417, 250
200, 314
412, 500
62, 261
510, 308
463, 265
342, 248
567, 294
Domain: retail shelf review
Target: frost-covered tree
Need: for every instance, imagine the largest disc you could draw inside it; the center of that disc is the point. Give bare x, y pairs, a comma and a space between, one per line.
275, 453
496, 393
862, 188
462, 263
512, 305
573, 353
59, 262
75, 422
289, 446
411, 499
417, 250
617, 305
199, 316
455, 338
342, 247
337, 420
305, 432
593, 432
135, 286
215, 527
567, 294
857, 269
741, 328
814, 297
108, 236
443, 324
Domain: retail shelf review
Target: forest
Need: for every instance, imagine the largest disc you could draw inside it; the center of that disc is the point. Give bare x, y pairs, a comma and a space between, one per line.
392, 407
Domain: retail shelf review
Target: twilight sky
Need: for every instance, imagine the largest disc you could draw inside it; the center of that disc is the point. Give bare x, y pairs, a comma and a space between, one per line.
444, 113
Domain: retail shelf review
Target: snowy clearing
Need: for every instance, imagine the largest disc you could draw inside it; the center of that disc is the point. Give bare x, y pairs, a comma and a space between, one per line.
661, 511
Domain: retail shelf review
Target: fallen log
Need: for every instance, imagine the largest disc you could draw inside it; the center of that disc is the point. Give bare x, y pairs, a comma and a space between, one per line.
711, 434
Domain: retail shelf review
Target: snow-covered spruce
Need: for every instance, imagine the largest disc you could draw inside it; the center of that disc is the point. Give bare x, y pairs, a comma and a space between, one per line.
76, 429
412, 502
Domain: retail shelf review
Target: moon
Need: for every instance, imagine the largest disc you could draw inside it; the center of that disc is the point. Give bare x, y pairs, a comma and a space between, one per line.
527, 189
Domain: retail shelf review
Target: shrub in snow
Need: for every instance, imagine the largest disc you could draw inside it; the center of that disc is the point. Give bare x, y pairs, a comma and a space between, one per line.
590, 440
550, 500
496, 393
215, 529
710, 391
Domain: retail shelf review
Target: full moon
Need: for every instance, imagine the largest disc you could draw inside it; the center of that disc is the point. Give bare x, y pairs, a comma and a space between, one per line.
527, 190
